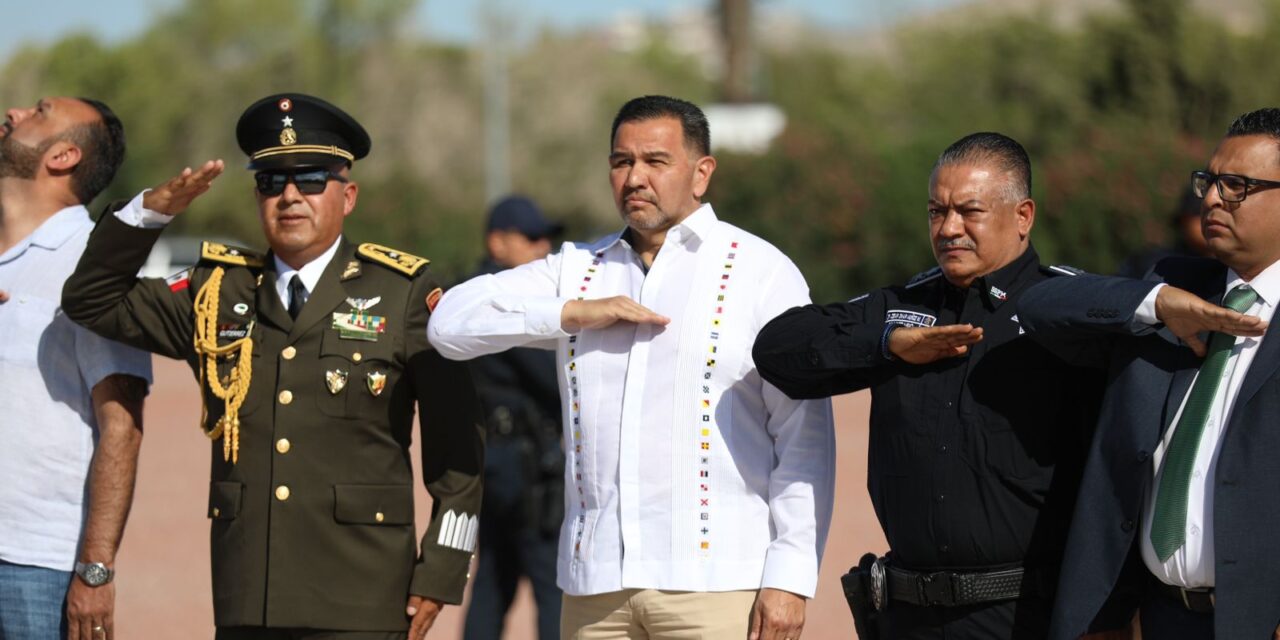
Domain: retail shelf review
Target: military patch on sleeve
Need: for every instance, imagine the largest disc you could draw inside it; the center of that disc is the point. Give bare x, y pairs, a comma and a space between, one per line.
1064, 270
226, 254
405, 263
433, 299
909, 318
924, 276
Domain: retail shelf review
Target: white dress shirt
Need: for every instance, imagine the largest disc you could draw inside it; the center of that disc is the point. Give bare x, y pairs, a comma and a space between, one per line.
685, 470
1191, 566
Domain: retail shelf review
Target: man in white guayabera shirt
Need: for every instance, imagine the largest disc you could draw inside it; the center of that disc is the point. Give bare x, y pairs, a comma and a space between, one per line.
697, 495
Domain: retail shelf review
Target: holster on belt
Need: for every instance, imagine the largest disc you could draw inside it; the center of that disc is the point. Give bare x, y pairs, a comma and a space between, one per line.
860, 592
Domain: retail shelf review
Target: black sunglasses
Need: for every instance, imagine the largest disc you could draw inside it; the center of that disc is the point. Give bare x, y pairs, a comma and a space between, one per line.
309, 182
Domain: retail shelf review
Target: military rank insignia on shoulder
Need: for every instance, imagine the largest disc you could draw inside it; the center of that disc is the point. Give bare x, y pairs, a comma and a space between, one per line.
1064, 270
406, 263
924, 276
226, 254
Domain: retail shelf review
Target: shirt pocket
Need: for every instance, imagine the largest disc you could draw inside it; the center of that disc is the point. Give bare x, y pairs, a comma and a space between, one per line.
373, 504
358, 376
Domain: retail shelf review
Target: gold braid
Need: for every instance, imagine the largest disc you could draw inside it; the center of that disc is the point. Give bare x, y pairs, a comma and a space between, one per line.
237, 387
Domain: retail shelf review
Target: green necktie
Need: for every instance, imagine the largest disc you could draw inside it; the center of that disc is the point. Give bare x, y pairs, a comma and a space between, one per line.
1169, 523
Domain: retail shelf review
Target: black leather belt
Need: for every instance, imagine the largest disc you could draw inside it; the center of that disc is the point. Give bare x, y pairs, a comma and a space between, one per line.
952, 589
1198, 600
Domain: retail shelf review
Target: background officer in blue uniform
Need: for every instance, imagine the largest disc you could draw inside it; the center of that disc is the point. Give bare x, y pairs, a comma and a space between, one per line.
524, 459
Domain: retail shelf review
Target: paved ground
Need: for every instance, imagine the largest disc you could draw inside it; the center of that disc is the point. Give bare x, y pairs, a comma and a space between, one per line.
163, 567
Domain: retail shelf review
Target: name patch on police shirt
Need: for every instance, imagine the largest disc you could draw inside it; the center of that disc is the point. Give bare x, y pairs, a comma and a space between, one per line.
905, 318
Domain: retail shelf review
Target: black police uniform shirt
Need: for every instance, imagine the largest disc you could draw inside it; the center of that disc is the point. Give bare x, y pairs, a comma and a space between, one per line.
974, 460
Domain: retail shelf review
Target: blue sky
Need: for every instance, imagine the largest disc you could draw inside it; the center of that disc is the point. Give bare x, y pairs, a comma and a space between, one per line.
447, 19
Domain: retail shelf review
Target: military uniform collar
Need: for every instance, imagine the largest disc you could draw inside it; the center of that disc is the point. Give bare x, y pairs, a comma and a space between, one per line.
310, 272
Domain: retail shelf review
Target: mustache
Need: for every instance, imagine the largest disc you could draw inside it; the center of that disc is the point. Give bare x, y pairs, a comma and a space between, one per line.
956, 243
641, 194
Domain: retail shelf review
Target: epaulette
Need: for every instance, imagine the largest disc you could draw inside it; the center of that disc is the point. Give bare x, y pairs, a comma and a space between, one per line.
1063, 270
924, 276
218, 252
405, 263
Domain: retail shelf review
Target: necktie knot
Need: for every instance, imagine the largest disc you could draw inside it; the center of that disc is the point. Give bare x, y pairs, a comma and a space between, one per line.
1240, 298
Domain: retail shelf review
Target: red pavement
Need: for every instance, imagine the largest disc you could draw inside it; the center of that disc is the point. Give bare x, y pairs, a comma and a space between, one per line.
163, 584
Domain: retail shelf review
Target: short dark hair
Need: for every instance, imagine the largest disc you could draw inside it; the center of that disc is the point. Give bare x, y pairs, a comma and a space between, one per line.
987, 147
102, 149
1261, 122
697, 133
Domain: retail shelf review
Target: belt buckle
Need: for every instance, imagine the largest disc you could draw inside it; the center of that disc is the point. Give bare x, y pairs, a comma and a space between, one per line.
937, 589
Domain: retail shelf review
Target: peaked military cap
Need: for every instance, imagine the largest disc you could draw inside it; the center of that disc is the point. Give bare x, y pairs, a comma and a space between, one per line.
289, 130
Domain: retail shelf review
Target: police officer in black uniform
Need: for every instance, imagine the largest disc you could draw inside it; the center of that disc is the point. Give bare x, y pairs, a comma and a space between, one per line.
311, 360
977, 433
524, 460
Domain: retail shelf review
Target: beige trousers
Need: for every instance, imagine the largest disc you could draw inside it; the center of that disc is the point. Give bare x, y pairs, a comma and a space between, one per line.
647, 614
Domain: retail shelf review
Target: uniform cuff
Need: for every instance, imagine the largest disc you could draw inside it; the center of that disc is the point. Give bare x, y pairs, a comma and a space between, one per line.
442, 576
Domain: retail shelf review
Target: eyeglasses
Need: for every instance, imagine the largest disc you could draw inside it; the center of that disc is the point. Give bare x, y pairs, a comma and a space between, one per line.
1231, 187
310, 182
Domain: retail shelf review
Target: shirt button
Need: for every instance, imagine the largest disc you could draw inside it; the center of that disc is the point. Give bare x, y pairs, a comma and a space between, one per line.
949, 403
1195, 531
282, 445
216, 512
356, 357
1127, 525
282, 493
1195, 474
941, 497
944, 548
288, 353
1142, 456
285, 396
379, 516
942, 448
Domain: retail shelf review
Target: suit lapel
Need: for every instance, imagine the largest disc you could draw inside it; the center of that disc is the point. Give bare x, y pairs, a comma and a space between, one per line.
269, 306
328, 294
1261, 369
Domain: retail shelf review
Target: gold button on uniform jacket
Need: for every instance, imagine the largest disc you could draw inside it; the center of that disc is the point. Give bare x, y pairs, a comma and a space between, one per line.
311, 488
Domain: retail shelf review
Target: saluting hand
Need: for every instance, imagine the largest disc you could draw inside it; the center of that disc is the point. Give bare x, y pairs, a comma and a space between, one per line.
175, 195
598, 314
1186, 315
422, 613
922, 345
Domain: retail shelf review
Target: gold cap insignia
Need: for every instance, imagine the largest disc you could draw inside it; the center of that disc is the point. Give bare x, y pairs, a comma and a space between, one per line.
336, 380
377, 381
288, 136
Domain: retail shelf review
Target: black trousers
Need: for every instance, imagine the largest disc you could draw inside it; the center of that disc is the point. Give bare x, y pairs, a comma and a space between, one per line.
1022, 619
1164, 619
273, 633
510, 547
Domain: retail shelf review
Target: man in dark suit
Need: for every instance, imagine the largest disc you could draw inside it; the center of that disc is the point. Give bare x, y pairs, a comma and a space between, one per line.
311, 360
1177, 512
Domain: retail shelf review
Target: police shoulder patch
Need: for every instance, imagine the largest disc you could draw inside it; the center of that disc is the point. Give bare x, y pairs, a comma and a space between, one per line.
406, 263
227, 254
924, 276
1064, 270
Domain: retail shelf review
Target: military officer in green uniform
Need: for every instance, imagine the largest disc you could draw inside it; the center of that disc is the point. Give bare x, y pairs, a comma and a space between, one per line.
311, 359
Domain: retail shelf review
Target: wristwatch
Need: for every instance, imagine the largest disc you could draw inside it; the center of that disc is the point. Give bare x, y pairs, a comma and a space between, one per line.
94, 574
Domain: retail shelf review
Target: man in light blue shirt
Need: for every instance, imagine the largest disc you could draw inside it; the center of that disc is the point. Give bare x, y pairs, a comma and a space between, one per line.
71, 423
